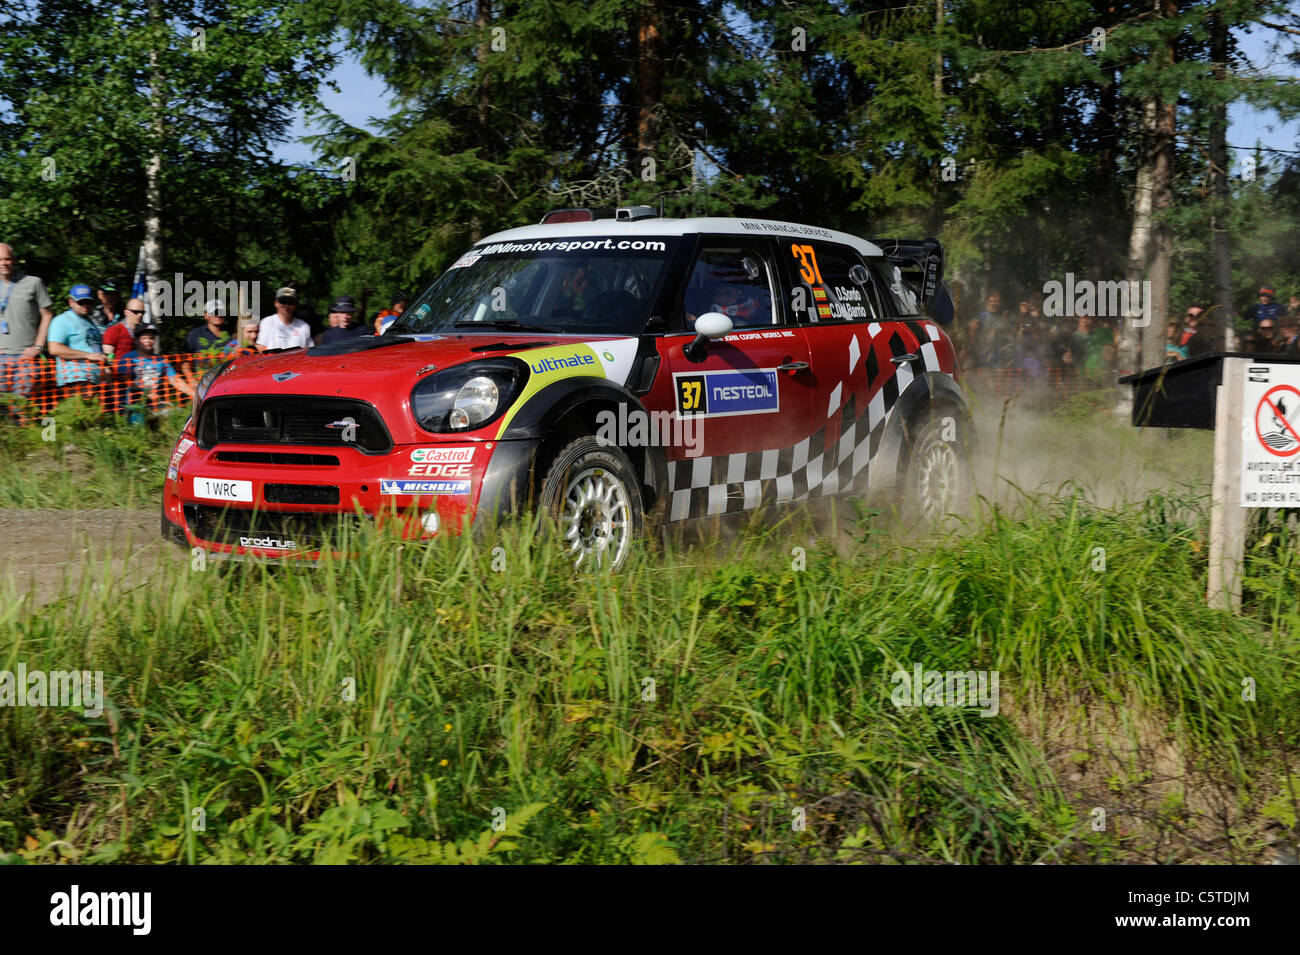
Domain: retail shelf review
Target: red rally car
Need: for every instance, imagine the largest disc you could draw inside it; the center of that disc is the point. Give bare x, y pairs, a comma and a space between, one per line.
612, 368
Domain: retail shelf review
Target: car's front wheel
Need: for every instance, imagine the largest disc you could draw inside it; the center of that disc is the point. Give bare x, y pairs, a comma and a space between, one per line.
939, 476
591, 493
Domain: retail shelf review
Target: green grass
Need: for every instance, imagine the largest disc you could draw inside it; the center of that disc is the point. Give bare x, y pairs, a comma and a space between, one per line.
79, 458
394, 706
521, 695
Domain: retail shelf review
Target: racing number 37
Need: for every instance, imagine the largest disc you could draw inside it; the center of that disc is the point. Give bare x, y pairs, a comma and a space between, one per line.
690, 395
807, 264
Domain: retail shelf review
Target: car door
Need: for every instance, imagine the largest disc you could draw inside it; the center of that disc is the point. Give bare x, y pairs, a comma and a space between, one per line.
862, 355
748, 402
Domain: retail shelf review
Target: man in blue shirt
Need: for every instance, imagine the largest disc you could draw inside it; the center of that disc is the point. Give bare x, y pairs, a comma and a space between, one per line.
146, 374
1267, 307
341, 316
76, 343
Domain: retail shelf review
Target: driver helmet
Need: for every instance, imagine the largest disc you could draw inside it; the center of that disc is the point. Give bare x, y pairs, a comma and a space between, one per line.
734, 301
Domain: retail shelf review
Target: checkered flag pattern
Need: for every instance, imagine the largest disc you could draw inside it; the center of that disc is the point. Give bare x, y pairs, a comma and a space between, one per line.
831, 461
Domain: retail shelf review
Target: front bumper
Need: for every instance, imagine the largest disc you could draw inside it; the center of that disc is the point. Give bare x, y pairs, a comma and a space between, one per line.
280, 501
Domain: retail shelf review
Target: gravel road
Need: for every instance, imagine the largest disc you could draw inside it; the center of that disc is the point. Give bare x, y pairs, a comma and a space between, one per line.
38, 548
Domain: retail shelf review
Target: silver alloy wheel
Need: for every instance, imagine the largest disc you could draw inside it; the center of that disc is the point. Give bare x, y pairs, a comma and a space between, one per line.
596, 518
938, 477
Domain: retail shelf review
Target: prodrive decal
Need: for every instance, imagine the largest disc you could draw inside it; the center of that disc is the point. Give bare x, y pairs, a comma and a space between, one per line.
267, 542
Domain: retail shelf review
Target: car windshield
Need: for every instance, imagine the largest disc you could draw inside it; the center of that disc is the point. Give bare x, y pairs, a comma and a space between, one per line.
580, 285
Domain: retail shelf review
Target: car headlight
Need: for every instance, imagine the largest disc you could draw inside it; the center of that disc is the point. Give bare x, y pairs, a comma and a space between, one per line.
467, 397
205, 384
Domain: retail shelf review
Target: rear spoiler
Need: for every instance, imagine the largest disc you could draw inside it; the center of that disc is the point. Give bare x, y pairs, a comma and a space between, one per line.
921, 263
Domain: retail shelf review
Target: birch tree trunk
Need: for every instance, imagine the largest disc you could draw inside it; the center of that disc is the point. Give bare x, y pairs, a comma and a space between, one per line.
153, 246
1129, 353
1162, 198
1162, 240
1220, 240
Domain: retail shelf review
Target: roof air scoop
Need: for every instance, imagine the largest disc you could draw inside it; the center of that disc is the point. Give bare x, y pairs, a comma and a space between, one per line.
632, 213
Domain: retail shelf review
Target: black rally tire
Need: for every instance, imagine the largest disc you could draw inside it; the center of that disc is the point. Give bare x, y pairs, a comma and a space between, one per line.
939, 478
592, 493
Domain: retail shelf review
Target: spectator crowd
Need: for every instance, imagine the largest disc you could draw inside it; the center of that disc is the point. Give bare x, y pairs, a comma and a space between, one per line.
102, 346
1027, 343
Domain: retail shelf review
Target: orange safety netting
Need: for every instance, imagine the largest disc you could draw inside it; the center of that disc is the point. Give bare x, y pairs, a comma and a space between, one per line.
29, 386
1050, 386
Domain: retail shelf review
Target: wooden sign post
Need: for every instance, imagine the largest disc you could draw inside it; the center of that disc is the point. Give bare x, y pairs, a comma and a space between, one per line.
1227, 516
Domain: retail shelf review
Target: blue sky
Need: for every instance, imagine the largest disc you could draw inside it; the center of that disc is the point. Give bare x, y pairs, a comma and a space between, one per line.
361, 98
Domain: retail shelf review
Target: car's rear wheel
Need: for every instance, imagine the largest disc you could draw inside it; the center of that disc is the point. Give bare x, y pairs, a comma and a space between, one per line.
939, 478
591, 493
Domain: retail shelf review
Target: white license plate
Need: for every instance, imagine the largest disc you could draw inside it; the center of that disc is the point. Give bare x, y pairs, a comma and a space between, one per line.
216, 489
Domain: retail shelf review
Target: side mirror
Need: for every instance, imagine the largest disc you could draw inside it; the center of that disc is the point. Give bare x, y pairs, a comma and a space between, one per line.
709, 326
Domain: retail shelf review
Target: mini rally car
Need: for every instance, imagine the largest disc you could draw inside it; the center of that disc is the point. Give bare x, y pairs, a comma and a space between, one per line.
612, 368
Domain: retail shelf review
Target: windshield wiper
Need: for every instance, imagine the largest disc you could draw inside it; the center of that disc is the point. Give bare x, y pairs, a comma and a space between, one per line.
503, 323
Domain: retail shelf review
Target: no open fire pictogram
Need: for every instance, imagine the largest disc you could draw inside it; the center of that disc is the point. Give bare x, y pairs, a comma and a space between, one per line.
1277, 421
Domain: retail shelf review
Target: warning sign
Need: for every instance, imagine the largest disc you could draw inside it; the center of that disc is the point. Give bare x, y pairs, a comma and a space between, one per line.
1270, 436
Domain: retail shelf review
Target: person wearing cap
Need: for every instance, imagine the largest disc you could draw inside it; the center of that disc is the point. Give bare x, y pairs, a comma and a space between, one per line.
1266, 308
211, 334
390, 314
245, 343
146, 374
25, 315
340, 322
283, 330
110, 303
77, 344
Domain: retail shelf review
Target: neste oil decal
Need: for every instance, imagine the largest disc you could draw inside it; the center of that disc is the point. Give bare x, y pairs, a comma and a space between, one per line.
716, 394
